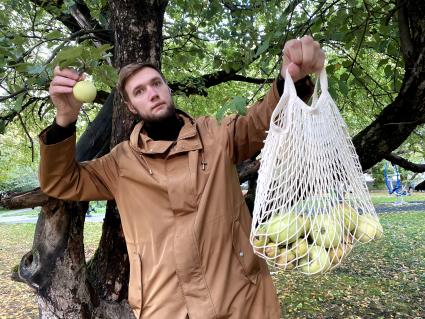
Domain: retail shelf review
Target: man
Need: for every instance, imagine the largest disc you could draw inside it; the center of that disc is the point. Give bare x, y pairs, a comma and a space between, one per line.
185, 220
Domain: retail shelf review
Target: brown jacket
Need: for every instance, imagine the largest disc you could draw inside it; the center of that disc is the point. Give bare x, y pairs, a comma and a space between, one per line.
184, 217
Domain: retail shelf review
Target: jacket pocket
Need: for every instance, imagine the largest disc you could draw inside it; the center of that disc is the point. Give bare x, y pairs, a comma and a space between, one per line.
244, 252
135, 288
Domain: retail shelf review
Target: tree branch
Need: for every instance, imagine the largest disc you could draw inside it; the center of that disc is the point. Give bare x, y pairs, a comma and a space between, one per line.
31, 199
70, 21
395, 159
28, 135
12, 95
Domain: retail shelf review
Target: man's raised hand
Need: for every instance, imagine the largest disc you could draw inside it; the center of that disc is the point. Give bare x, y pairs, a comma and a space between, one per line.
302, 57
60, 90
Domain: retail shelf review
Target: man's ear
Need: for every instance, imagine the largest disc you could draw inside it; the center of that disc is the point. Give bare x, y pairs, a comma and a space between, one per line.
131, 108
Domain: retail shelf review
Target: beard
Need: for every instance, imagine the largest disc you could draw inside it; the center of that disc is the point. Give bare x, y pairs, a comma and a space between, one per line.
164, 115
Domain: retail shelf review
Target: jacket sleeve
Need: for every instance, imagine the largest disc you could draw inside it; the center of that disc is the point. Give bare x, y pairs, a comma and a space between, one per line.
61, 176
245, 134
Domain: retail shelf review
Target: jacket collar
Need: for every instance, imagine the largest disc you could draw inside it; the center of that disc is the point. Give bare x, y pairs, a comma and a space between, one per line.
187, 140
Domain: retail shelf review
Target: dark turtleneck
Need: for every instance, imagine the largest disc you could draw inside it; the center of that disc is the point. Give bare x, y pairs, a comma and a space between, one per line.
167, 129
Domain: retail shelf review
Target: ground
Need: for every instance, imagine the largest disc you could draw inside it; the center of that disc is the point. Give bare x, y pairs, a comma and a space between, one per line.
382, 279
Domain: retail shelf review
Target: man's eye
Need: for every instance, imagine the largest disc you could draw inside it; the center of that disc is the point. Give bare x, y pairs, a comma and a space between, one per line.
138, 92
157, 83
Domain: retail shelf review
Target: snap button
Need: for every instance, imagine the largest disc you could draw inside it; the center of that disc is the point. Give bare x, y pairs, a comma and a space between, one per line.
241, 253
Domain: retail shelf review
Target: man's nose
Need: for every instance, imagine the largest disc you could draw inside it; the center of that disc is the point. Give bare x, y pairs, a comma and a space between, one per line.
152, 93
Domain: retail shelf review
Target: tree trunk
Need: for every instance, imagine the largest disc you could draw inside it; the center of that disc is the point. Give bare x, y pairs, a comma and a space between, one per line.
68, 287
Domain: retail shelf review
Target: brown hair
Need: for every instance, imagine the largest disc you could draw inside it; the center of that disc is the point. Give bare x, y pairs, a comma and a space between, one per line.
127, 71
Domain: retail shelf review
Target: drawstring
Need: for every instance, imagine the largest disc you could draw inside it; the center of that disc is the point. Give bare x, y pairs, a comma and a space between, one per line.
203, 162
147, 164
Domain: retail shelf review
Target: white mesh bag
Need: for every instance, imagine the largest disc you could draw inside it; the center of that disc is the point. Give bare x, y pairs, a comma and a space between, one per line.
312, 204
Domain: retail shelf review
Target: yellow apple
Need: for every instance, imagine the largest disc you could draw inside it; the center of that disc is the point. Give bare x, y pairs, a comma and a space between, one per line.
271, 251
368, 228
285, 258
84, 91
317, 261
300, 247
306, 223
326, 231
335, 254
350, 218
259, 243
284, 229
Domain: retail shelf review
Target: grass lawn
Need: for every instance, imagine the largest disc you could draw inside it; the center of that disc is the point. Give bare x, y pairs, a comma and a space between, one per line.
383, 279
382, 197
17, 300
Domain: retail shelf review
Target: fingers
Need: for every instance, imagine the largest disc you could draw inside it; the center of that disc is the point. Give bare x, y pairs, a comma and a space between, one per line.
308, 51
64, 80
293, 51
302, 57
67, 73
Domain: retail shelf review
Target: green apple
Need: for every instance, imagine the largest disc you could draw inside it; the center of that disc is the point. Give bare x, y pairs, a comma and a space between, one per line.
259, 243
285, 258
317, 261
379, 230
84, 91
326, 231
284, 229
368, 228
336, 254
350, 216
306, 223
300, 247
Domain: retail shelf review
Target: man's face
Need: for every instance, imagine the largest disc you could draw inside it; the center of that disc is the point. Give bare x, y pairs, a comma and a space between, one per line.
149, 95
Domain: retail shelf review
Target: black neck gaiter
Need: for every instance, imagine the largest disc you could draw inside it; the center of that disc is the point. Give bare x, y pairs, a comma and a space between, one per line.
167, 129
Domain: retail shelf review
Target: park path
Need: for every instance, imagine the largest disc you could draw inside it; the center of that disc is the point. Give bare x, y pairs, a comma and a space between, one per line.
98, 218
9, 217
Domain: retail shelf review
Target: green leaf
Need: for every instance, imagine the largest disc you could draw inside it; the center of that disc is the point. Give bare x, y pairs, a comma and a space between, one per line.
343, 87
68, 56
106, 74
383, 62
22, 67
238, 104
18, 103
221, 112
35, 69
263, 47
388, 70
18, 40
54, 35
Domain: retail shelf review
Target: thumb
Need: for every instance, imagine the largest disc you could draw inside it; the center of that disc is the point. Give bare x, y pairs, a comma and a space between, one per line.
82, 77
